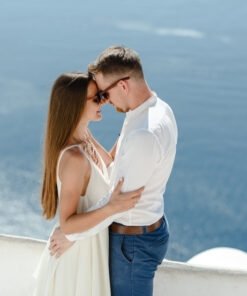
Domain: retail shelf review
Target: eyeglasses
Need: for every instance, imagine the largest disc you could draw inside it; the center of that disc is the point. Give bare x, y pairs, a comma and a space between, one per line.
96, 99
104, 94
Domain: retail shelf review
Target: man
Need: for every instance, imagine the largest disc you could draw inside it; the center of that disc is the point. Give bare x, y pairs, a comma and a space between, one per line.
144, 156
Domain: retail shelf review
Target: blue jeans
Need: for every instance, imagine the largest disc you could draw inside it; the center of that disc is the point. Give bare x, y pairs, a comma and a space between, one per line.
134, 260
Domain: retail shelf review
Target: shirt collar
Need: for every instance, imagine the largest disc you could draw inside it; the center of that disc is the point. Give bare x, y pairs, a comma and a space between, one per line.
149, 102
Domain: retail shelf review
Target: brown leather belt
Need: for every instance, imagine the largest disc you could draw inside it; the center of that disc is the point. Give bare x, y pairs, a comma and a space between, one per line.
133, 230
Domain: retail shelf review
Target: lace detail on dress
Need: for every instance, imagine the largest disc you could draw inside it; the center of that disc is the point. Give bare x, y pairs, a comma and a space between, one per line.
89, 148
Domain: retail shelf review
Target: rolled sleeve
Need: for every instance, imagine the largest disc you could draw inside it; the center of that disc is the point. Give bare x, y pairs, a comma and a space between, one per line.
92, 231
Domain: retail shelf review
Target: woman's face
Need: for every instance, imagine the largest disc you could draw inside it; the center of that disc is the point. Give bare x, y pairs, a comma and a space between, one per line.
92, 111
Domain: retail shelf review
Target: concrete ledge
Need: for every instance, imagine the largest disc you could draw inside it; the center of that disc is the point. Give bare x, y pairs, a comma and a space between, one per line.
19, 257
174, 278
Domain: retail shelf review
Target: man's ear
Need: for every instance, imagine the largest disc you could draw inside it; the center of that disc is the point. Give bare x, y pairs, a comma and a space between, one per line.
124, 86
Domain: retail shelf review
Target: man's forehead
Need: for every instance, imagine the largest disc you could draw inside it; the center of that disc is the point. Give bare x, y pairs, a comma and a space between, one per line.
101, 80
97, 80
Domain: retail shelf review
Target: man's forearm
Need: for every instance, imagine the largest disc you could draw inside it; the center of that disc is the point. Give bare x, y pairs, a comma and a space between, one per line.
98, 228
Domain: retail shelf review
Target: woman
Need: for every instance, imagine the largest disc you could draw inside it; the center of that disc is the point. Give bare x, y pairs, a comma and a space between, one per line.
75, 178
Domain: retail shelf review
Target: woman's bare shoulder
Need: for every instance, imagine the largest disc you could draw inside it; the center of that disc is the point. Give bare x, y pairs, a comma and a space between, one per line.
74, 162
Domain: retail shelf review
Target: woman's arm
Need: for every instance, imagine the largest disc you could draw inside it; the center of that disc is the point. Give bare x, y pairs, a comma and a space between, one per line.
75, 173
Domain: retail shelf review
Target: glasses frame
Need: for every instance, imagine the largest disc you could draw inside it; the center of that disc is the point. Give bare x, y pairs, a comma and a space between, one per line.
103, 94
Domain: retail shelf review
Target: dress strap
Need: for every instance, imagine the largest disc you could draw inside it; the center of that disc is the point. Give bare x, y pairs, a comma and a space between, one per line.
104, 168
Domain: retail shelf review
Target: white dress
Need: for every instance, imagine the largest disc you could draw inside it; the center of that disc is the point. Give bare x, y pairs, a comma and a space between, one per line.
83, 269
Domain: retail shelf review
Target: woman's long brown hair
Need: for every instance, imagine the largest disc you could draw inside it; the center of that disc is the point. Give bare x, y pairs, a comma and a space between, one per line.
67, 102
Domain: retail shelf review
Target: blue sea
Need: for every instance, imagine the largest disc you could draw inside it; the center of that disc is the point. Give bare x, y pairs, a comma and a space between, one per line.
194, 55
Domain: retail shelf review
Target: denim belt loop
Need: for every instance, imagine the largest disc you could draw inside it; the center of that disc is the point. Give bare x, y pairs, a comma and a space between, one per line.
144, 229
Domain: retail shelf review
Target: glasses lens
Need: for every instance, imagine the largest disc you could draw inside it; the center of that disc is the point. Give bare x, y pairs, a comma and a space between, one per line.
97, 99
104, 95
100, 96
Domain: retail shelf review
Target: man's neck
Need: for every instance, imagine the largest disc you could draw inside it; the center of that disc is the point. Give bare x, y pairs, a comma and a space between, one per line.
140, 95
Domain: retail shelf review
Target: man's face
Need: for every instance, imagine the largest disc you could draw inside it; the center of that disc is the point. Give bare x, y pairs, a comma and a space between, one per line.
114, 90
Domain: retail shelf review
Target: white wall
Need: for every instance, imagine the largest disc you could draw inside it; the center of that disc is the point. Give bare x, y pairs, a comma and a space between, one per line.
19, 257
175, 278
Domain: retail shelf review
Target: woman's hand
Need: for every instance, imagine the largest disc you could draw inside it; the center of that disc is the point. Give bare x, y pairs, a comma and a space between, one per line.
121, 202
59, 243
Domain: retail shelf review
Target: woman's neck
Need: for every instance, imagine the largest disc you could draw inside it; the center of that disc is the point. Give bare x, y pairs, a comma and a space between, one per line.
80, 134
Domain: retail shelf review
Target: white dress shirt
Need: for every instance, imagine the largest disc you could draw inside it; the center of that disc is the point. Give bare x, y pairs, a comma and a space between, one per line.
145, 155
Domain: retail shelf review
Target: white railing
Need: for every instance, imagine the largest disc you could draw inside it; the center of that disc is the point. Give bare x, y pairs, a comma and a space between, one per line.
19, 257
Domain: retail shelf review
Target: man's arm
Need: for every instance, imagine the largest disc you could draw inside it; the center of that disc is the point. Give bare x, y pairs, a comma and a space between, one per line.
139, 157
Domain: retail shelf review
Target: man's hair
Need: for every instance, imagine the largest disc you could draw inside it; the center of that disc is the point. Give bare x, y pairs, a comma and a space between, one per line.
117, 60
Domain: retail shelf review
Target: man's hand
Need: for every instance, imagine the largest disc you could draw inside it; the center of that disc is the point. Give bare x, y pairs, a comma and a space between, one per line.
59, 243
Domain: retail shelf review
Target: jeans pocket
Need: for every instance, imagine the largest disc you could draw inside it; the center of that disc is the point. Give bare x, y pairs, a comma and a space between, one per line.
127, 248
161, 246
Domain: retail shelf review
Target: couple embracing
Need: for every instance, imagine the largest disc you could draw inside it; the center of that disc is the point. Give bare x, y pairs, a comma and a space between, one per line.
111, 233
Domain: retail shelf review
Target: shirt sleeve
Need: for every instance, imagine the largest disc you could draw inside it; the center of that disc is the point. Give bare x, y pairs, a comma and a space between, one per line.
139, 157
92, 231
